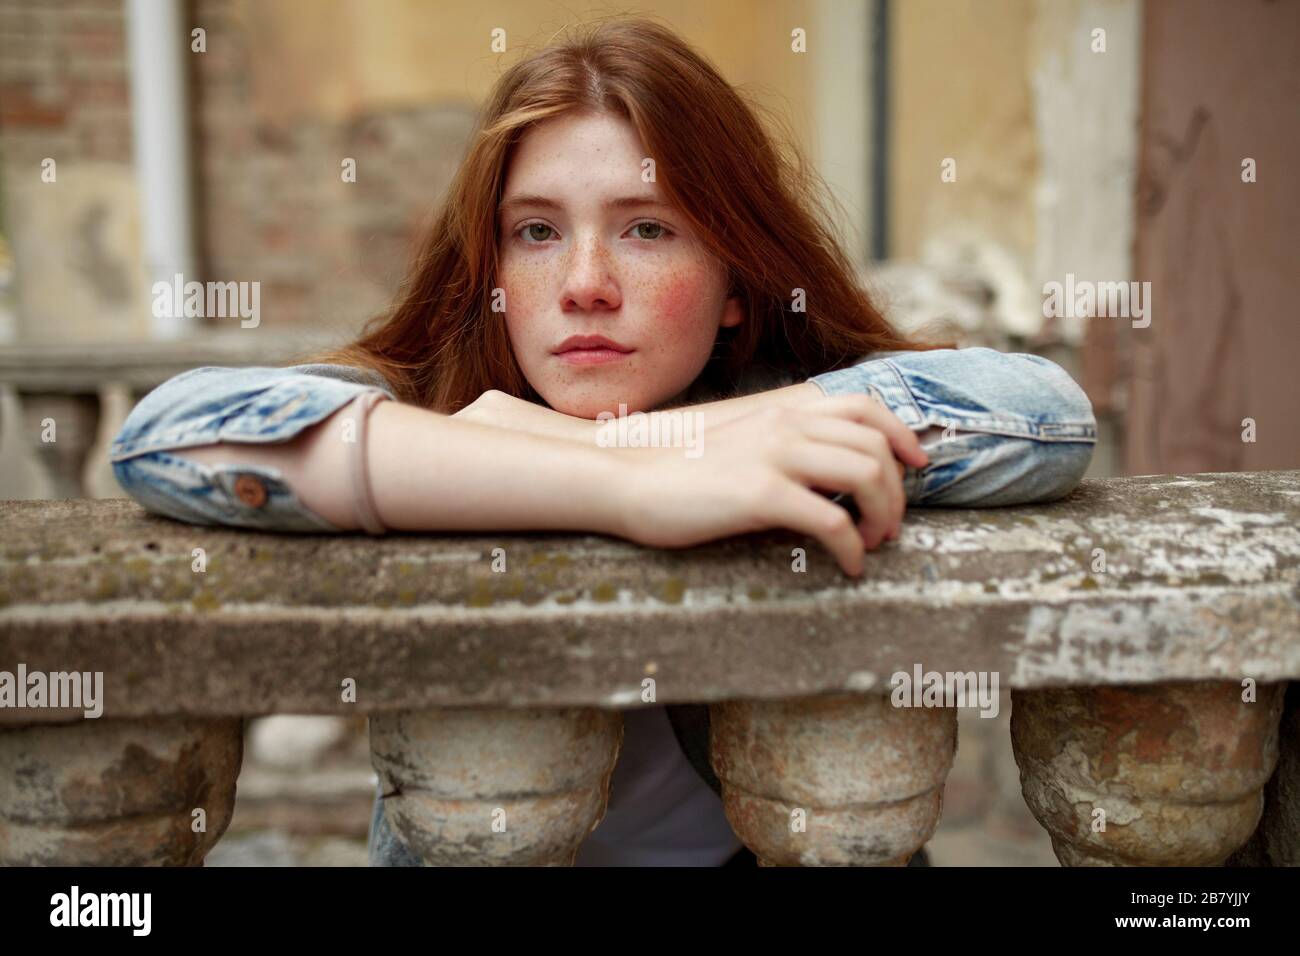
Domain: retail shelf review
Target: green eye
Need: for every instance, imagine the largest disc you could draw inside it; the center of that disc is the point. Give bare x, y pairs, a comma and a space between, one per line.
531, 230
657, 230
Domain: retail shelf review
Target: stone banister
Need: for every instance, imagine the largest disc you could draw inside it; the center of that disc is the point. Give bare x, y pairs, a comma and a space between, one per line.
1147, 627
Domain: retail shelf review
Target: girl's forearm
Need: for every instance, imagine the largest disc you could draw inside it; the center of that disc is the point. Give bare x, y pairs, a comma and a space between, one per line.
715, 413
432, 472
729, 409
518, 415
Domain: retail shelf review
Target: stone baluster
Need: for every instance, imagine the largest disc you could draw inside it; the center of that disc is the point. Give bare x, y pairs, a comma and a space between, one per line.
842, 780
60, 429
1153, 775
116, 400
22, 474
471, 786
105, 792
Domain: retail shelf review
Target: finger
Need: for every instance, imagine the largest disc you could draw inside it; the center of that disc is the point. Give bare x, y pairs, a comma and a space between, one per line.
835, 468
898, 527
867, 440
808, 513
868, 411
904, 441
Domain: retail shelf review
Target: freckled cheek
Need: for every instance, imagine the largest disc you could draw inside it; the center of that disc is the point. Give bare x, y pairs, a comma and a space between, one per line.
525, 294
682, 309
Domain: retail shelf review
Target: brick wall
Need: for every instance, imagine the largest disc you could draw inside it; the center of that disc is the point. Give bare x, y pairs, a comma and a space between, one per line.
63, 80
271, 203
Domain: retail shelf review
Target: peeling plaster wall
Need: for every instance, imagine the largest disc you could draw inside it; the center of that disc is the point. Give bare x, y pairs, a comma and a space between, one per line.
1086, 117
960, 89
1043, 131
77, 252
75, 244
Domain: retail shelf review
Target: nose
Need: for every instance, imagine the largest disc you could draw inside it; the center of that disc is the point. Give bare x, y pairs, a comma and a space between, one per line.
589, 281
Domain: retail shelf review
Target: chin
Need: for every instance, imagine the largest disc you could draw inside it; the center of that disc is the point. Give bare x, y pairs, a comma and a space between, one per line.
589, 408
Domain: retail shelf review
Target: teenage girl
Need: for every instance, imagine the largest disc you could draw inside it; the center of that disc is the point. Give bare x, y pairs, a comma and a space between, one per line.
623, 232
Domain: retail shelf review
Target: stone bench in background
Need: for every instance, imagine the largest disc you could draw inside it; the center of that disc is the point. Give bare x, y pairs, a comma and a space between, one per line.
1148, 628
87, 389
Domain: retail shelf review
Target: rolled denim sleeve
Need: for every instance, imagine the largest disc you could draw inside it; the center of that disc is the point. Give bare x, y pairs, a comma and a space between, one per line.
204, 406
1000, 428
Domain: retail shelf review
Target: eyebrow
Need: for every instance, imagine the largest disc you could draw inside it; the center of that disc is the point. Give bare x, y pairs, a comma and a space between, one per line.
543, 202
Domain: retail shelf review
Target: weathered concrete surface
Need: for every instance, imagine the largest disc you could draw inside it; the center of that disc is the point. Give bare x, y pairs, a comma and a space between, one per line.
843, 780
489, 786
1146, 776
1201, 580
117, 792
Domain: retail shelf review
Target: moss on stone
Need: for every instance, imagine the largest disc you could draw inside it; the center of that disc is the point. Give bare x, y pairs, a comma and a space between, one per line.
205, 601
673, 590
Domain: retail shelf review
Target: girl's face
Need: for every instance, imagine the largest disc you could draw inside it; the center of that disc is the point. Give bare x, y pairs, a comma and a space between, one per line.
609, 297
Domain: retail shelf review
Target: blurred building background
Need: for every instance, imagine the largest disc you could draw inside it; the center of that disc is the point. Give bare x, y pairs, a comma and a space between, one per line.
977, 152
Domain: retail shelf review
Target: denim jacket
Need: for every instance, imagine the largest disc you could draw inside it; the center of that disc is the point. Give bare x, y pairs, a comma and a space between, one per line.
1000, 428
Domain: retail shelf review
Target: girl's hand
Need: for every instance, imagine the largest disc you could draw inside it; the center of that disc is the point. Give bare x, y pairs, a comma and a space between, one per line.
505, 411
759, 471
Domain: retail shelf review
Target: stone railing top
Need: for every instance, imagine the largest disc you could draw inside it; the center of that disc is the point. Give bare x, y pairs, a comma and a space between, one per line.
84, 366
1130, 580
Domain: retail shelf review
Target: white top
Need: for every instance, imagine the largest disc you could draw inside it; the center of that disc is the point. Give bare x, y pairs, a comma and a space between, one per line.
661, 813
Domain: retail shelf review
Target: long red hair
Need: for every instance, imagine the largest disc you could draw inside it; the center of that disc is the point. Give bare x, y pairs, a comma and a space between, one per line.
756, 208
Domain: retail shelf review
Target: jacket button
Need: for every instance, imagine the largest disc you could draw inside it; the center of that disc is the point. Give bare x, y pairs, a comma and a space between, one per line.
251, 490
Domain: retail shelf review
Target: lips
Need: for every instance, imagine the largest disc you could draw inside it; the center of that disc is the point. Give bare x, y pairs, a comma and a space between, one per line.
590, 343
591, 350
